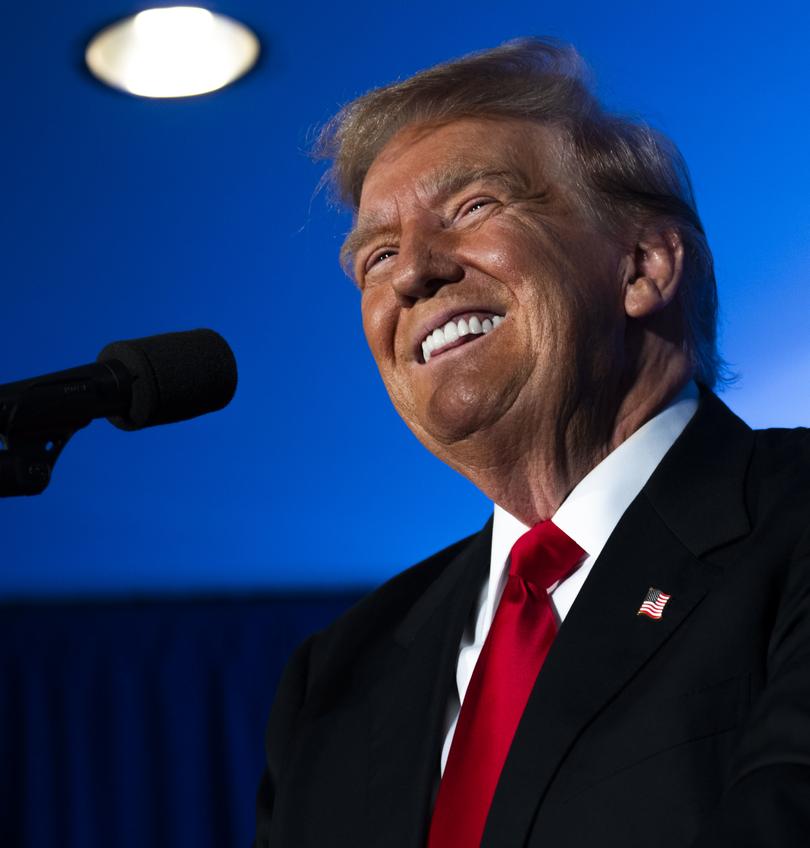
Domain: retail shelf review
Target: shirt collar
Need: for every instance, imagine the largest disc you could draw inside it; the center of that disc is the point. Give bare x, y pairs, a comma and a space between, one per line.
594, 507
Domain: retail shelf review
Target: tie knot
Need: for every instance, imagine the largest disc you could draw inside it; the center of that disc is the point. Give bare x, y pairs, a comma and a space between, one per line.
544, 555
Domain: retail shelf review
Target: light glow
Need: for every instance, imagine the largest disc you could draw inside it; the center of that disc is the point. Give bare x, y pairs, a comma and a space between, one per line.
177, 51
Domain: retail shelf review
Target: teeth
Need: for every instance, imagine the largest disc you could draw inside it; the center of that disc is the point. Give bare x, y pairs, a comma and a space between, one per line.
452, 331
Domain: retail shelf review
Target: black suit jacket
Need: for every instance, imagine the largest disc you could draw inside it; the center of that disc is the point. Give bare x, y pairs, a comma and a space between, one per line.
693, 730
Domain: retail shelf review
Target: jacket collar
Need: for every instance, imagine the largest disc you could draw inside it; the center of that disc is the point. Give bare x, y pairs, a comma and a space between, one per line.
698, 489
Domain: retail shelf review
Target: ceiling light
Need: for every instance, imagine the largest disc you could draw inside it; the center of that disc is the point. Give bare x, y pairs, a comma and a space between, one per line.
177, 51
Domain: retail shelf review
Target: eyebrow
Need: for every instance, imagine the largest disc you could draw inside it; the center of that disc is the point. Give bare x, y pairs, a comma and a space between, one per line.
373, 226
440, 187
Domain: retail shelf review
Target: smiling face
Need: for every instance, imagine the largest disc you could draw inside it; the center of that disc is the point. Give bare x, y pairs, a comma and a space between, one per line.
491, 304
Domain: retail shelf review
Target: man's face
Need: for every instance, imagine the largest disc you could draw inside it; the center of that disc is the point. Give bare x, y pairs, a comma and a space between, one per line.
472, 225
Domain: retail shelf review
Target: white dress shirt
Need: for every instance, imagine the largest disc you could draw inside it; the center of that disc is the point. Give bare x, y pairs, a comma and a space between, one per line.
588, 515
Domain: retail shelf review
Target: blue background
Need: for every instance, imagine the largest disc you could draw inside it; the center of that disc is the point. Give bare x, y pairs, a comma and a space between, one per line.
124, 217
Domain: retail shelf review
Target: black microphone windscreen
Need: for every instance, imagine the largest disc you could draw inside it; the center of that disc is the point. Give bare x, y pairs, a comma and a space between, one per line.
176, 376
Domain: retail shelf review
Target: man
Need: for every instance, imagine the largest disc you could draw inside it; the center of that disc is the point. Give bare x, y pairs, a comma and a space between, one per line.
539, 297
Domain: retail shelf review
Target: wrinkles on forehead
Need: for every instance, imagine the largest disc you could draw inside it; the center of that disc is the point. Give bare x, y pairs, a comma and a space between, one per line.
437, 187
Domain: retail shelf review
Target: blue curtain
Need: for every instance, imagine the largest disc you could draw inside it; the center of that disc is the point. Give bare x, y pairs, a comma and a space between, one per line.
135, 724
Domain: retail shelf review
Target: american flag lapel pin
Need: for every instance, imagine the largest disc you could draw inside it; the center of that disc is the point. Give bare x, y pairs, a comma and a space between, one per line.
654, 603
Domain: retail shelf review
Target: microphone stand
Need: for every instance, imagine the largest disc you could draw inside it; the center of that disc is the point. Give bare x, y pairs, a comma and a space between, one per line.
39, 416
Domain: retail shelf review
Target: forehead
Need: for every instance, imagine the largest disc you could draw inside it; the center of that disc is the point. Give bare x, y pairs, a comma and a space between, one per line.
429, 159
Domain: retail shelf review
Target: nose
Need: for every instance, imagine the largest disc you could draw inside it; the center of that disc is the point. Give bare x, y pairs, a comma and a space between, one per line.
426, 262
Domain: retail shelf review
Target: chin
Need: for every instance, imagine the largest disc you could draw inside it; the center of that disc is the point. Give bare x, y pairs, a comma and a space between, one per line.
455, 415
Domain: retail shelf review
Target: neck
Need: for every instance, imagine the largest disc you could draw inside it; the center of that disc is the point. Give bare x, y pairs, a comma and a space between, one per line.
530, 477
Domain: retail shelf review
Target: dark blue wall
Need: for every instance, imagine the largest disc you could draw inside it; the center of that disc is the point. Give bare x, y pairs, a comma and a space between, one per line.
135, 723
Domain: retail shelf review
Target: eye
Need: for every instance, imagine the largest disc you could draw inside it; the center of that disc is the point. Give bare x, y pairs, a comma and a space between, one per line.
474, 206
378, 257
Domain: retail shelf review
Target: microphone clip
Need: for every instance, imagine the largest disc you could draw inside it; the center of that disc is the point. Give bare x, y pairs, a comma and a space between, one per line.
39, 416
27, 460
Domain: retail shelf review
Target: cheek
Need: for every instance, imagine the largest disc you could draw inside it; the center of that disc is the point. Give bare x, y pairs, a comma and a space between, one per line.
379, 311
522, 255
499, 248
379, 323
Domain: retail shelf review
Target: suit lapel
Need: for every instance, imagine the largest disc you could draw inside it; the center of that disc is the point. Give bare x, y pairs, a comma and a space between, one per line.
691, 505
602, 643
408, 707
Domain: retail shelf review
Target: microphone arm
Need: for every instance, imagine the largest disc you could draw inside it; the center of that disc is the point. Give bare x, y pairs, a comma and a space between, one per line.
39, 416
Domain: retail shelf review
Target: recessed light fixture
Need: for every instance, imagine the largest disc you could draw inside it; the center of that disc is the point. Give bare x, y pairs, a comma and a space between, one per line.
176, 51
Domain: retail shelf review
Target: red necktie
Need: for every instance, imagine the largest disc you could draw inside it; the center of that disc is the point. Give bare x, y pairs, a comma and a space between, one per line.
519, 639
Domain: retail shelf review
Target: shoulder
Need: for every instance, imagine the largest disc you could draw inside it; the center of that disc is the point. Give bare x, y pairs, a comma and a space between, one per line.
360, 643
785, 448
778, 490
780, 463
773, 465
371, 624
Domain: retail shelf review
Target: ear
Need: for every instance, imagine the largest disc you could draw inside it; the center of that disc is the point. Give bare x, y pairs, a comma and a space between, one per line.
654, 273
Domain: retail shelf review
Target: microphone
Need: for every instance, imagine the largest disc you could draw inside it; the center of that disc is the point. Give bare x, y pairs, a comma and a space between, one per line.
134, 384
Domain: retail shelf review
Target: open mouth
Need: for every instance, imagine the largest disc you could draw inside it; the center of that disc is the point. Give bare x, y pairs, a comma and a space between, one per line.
459, 331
